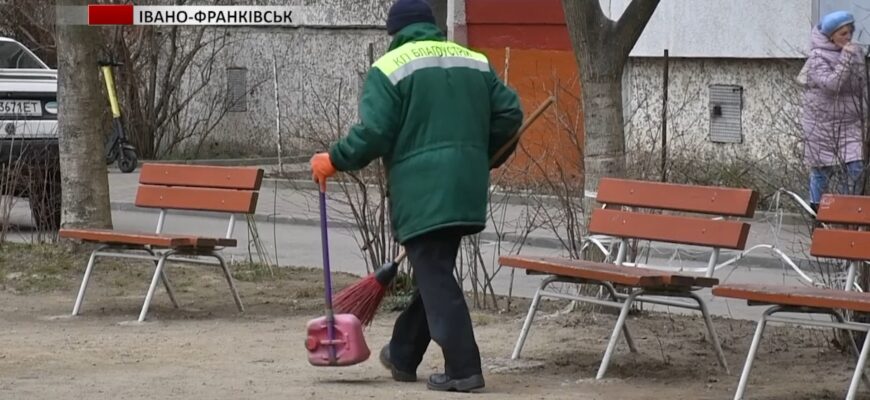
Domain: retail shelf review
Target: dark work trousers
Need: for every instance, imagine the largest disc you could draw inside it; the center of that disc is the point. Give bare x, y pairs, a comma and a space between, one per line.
437, 311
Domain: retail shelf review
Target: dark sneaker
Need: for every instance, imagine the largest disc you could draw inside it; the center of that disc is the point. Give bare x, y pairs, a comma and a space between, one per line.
398, 376
444, 383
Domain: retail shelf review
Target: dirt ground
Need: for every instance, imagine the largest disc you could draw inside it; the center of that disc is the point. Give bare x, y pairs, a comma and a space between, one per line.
206, 350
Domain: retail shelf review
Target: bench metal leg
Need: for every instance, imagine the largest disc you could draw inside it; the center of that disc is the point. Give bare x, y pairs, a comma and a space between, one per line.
628, 339
530, 316
839, 317
753, 349
158, 272
81, 295
230, 282
614, 337
168, 287
713, 336
165, 280
859, 369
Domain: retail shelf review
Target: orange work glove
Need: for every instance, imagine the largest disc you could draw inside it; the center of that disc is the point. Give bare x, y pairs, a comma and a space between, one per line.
321, 169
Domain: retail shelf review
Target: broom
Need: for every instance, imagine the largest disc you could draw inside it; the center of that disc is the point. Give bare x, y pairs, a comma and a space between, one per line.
363, 298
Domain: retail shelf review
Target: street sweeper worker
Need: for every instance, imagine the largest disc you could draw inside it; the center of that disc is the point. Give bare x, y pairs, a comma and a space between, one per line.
435, 112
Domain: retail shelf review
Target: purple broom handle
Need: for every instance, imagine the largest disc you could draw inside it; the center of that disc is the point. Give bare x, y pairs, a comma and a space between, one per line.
327, 277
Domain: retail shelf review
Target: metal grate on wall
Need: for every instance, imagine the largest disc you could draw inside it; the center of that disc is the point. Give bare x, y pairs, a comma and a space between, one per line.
237, 89
726, 113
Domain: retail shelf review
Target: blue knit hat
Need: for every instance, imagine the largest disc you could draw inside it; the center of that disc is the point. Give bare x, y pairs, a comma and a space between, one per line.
835, 20
407, 12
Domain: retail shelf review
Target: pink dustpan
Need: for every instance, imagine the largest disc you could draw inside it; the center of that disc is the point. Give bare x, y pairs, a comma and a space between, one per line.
337, 344
333, 340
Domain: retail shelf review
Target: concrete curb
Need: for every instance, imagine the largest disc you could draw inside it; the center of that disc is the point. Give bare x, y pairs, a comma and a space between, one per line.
223, 162
768, 262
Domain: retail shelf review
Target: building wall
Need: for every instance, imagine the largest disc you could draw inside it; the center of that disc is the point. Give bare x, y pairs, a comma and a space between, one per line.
331, 51
320, 67
524, 24
706, 49
723, 28
540, 64
770, 129
737, 28
552, 147
319, 77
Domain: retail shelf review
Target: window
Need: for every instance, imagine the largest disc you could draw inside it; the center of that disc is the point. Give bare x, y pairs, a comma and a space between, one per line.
14, 55
726, 113
237, 89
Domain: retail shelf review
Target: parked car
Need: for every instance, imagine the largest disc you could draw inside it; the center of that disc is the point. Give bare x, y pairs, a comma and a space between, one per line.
29, 155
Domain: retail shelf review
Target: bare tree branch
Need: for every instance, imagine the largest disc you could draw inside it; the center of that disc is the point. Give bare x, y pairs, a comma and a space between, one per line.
632, 23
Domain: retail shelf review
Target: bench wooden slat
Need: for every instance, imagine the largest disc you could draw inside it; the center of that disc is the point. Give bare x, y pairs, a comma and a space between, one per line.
581, 269
242, 178
697, 280
841, 243
840, 209
617, 274
142, 239
669, 196
796, 296
670, 228
192, 198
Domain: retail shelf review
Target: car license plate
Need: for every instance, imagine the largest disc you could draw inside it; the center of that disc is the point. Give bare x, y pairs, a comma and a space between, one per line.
20, 108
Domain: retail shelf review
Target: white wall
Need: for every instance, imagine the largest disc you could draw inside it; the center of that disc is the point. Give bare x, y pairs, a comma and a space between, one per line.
723, 28
771, 148
312, 64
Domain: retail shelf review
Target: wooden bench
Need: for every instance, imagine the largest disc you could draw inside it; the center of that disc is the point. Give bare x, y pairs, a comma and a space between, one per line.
228, 190
620, 219
827, 242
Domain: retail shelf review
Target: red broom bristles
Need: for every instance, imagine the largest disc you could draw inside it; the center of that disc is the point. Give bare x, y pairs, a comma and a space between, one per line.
361, 299
364, 297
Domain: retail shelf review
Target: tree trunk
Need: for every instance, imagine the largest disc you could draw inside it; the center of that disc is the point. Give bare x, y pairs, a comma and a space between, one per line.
84, 177
601, 47
604, 143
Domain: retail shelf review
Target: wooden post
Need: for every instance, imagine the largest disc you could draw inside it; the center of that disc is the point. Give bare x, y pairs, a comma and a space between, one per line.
507, 63
665, 120
277, 115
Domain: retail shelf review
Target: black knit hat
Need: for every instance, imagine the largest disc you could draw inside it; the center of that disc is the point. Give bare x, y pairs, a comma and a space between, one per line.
407, 12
